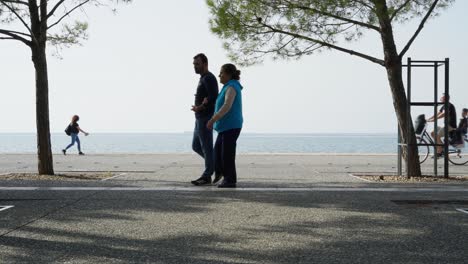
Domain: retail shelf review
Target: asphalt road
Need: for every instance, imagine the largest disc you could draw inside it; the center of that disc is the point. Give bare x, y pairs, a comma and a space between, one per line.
287, 209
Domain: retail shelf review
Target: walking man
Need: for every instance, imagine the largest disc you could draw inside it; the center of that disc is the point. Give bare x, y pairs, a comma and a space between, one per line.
205, 98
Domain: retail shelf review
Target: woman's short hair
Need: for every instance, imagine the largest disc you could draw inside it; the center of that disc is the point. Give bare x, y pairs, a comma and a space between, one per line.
231, 69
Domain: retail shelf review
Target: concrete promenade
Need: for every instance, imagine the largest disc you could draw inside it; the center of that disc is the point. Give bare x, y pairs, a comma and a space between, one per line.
286, 209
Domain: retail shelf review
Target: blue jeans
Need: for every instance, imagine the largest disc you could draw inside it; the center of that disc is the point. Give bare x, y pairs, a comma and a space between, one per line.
202, 144
74, 138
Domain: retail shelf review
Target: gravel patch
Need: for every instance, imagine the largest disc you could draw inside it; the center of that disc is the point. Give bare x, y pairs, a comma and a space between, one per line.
69, 176
404, 179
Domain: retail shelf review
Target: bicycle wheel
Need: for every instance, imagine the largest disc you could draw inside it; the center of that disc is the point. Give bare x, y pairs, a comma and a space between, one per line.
422, 150
458, 157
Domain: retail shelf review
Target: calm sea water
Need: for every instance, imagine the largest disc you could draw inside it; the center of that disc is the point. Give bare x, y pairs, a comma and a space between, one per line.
181, 143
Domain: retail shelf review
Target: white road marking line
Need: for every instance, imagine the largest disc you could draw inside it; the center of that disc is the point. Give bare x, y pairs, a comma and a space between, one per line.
463, 210
5, 207
357, 177
113, 177
246, 189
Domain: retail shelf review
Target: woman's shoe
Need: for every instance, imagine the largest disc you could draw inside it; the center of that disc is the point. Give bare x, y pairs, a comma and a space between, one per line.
80, 153
217, 178
64, 152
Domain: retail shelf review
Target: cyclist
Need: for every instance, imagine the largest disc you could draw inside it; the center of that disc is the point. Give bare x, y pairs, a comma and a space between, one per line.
452, 121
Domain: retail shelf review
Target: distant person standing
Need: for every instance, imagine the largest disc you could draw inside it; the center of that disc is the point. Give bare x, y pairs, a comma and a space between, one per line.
205, 97
73, 130
462, 128
227, 121
463, 125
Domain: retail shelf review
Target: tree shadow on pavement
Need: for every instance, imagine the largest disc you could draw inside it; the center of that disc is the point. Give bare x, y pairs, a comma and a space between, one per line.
241, 227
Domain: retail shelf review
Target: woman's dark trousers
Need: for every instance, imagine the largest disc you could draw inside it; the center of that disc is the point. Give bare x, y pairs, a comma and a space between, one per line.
225, 154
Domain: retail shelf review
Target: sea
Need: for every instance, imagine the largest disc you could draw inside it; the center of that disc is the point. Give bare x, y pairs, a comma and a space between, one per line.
147, 143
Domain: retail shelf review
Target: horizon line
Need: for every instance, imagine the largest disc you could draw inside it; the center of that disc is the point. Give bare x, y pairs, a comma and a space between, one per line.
190, 132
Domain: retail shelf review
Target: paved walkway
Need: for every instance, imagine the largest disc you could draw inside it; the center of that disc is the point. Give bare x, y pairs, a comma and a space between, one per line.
287, 209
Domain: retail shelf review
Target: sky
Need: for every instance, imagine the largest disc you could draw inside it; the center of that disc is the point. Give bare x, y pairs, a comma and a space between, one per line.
135, 74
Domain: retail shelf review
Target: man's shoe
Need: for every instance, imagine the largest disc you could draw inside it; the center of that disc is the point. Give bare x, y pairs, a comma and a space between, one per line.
64, 152
227, 185
217, 178
80, 153
202, 181
438, 155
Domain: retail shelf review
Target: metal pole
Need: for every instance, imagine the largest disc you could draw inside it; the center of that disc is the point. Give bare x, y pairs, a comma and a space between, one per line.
446, 111
408, 116
436, 131
399, 153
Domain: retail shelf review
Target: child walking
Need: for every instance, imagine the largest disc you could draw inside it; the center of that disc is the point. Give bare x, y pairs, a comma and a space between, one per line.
74, 130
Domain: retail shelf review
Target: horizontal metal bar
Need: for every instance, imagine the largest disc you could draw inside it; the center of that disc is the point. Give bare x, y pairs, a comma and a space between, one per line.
418, 144
422, 66
428, 61
426, 103
431, 145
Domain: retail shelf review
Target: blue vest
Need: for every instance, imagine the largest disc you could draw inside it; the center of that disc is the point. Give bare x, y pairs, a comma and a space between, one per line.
233, 118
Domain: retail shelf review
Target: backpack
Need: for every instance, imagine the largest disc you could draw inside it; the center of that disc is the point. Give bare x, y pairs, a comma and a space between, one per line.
419, 124
68, 130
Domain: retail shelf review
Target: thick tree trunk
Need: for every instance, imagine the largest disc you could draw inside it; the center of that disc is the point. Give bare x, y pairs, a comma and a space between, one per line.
45, 162
394, 73
395, 80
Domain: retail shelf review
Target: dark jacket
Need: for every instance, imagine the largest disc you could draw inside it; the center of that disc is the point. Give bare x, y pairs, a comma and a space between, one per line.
207, 88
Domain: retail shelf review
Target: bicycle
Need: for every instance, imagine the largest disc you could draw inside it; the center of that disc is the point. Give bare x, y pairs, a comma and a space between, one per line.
456, 155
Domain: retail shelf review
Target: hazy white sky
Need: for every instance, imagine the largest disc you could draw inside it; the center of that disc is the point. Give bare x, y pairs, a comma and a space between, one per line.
135, 74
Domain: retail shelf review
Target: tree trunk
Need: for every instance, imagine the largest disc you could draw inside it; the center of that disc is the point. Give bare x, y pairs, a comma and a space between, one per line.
394, 73
395, 80
45, 162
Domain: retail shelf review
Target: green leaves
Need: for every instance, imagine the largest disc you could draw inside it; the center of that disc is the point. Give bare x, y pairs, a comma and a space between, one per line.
283, 29
293, 28
402, 10
70, 34
35, 24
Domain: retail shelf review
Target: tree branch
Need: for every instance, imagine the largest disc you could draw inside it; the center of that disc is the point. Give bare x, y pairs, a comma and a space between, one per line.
364, 4
15, 35
421, 25
18, 33
68, 13
51, 13
399, 9
347, 20
15, 2
276, 50
16, 14
43, 8
326, 44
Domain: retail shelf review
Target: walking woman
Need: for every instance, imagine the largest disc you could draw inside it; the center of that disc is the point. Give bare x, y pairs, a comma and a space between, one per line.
227, 121
74, 129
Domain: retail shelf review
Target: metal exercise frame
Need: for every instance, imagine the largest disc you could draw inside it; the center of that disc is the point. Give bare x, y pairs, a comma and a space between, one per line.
434, 64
